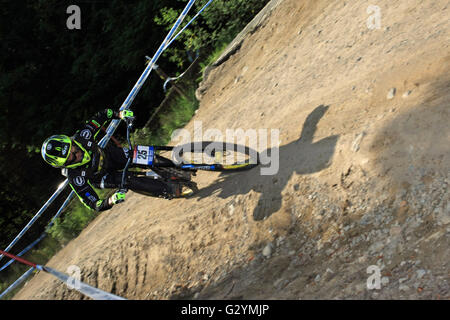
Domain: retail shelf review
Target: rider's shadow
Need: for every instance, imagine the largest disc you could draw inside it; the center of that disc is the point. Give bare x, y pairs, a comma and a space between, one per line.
301, 156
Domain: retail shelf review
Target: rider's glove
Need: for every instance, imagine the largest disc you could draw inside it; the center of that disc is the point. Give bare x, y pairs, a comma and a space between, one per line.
125, 114
118, 197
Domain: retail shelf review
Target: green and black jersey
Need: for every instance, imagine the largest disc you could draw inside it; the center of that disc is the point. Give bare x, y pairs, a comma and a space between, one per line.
80, 178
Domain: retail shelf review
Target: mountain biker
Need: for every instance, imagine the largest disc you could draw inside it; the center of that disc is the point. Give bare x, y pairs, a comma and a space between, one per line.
86, 165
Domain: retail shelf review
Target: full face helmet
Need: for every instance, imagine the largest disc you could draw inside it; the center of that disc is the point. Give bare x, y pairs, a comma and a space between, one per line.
57, 149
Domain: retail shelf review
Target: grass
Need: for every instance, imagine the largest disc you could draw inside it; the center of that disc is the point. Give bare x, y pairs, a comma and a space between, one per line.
177, 116
217, 52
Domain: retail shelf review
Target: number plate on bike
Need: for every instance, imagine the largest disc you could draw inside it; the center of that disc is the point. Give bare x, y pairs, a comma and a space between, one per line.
143, 155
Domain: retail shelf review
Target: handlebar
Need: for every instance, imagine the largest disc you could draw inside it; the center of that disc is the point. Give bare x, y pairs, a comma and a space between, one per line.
129, 123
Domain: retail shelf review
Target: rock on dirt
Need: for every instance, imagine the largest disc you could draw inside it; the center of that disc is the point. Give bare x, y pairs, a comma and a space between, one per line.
391, 93
267, 251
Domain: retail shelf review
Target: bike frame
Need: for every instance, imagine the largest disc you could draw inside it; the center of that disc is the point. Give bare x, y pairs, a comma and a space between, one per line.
160, 161
188, 167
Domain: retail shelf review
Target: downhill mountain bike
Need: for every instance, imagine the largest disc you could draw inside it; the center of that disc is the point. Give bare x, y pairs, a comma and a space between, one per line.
184, 162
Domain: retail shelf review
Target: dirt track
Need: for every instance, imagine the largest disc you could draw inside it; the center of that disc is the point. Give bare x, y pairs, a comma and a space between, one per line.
363, 179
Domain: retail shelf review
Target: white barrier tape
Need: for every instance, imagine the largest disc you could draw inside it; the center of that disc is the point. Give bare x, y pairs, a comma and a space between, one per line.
82, 287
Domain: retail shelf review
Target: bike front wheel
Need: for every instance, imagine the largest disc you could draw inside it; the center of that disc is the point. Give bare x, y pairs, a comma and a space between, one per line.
214, 156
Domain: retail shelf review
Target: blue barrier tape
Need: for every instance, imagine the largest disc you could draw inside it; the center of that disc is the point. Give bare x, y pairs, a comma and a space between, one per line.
81, 287
176, 36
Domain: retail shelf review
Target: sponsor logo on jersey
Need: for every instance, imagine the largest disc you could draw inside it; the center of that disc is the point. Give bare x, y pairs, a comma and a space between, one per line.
86, 134
90, 197
79, 181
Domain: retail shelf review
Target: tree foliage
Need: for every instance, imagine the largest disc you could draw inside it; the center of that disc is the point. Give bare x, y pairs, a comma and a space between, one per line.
219, 23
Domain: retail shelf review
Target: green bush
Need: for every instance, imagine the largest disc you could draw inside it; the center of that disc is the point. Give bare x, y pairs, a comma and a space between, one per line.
178, 114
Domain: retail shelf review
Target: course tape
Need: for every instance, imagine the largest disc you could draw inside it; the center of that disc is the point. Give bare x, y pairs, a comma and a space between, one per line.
172, 79
23, 251
82, 287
